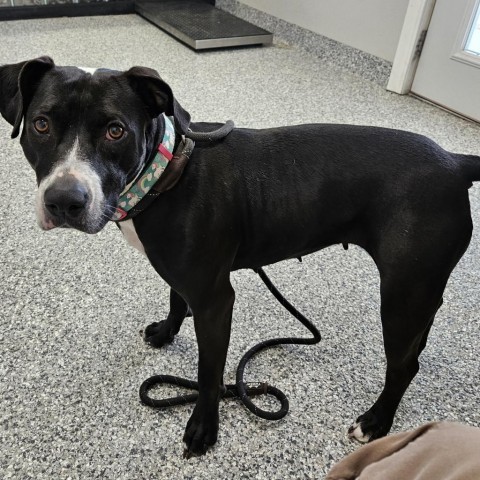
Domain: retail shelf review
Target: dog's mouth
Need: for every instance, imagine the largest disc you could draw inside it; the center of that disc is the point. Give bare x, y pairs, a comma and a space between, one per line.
87, 226
82, 226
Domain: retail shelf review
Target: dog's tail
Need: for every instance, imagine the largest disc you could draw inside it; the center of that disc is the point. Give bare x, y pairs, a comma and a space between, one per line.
470, 166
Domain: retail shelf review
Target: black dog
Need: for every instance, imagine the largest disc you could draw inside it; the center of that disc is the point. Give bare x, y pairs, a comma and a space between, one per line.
254, 198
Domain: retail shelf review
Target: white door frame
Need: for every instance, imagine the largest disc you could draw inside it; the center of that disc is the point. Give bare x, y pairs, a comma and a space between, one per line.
414, 30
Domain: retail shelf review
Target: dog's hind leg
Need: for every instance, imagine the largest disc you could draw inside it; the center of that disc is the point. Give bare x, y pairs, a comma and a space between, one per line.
406, 321
423, 342
160, 333
412, 285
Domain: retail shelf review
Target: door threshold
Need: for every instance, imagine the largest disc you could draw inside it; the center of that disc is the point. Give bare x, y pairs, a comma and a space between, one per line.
444, 108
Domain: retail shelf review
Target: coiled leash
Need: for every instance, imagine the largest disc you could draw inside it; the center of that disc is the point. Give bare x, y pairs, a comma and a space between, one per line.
240, 389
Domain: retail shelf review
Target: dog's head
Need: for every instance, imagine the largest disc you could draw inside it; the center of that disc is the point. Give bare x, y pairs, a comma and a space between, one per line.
87, 134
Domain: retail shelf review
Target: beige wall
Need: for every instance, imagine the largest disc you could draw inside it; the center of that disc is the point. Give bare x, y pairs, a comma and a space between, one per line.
370, 25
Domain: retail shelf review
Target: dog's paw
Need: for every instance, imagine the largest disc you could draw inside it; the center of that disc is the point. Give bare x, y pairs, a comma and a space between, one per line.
201, 433
159, 334
356, 433
369, 426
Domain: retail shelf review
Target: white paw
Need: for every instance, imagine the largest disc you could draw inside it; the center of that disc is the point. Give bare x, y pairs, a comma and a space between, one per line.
356, 432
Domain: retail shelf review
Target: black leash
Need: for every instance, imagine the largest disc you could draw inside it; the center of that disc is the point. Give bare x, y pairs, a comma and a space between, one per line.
240, 389
212, 136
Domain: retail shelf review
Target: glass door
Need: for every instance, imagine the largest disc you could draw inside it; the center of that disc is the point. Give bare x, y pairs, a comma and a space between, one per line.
448, 71
472, 44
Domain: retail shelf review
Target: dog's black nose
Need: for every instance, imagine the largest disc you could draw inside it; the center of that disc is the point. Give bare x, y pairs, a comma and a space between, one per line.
66, 199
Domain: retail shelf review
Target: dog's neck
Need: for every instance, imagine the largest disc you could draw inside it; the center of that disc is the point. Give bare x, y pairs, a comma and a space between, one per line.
152, 169
154, 135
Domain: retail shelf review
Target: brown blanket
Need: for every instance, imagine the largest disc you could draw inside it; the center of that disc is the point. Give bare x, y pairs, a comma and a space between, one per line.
435, 451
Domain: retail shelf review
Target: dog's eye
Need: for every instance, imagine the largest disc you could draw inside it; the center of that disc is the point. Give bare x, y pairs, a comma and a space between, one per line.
115, 132
41, 125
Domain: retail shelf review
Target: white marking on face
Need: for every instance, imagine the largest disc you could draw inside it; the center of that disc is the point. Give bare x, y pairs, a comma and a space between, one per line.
89, 70
76, 165
128, 229
357, 433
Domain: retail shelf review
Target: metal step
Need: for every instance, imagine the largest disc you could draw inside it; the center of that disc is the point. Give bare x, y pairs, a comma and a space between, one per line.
201, 25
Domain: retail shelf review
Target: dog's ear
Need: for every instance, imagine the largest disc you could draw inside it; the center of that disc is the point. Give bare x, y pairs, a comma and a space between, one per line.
18, 83
157, 96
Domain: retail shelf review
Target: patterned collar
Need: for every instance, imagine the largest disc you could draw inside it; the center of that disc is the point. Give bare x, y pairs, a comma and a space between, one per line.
140, 187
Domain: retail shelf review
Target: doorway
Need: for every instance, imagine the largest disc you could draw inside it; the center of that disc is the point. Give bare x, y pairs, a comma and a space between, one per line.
448, 71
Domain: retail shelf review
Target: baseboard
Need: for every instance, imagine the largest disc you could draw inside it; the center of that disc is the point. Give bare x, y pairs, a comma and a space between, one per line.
25, 12
84, 9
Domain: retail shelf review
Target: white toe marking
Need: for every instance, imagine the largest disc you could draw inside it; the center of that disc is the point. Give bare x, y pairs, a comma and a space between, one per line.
357, 433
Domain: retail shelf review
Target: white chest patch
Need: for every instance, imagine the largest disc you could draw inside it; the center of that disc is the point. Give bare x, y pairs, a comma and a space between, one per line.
128, 229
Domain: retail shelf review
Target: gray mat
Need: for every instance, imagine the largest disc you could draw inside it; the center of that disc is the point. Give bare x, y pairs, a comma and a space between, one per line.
72, 358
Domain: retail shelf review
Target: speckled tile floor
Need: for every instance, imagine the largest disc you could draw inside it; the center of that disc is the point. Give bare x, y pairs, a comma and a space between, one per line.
72, 358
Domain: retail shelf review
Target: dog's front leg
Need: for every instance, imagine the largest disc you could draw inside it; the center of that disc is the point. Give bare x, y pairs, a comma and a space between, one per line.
160, 333
212, 318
